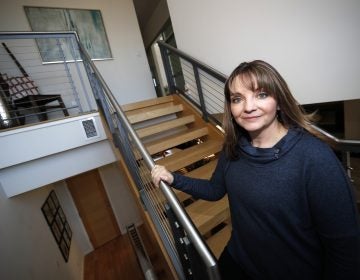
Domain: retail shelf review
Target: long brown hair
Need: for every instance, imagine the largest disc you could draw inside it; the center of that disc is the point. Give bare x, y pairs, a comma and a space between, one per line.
255, 75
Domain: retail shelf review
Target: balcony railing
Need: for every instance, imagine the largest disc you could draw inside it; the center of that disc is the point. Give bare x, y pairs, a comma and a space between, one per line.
41, 78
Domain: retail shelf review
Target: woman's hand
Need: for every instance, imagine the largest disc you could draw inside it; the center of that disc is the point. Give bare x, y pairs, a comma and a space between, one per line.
160, 173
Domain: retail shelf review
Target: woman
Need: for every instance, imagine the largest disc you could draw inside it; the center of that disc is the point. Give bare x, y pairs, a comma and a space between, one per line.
292, 207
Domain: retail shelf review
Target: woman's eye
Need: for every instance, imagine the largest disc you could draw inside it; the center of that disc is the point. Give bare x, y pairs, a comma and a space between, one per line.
235, 99
262, 95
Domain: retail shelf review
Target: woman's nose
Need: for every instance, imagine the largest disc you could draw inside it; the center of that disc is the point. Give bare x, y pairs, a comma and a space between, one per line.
250, 105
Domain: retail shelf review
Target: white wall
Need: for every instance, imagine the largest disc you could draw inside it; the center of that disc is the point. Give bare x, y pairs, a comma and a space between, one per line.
30, 175
313, 44
28, 249
51, 151
128, 74
120, 196
33, 142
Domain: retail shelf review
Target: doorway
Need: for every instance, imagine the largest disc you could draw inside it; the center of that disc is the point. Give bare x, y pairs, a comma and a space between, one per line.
94, 207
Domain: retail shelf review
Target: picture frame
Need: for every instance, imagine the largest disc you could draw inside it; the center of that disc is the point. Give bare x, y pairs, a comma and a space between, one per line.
58, 224
87, 23
56, 231
46, 209
64, 249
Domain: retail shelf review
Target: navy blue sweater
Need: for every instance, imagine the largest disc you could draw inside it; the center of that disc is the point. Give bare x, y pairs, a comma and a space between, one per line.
292, 209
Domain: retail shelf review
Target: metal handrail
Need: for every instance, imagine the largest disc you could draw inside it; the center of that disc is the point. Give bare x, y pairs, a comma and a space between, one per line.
169, 194
335, 139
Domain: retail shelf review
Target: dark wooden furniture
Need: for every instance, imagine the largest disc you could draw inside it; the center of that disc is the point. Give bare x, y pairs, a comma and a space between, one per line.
21, 92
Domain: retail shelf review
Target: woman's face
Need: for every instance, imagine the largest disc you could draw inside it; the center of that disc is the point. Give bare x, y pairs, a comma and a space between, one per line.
255, 111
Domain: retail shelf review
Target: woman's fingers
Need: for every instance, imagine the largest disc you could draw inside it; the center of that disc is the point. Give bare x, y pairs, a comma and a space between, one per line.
155, 175
160, 173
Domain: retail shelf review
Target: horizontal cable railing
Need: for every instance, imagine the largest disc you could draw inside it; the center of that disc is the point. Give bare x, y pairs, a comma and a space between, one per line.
342, 144
40, 79
157, 201
204, 87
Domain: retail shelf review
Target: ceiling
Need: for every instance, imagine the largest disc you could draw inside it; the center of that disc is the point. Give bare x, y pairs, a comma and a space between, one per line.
144, 9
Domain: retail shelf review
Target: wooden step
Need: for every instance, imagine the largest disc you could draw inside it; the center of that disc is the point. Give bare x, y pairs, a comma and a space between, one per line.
164, 126
190, 155
218, 241
146, 103
158, 197
208, 214
182, 196
157, 193
146, 114
203, 172
168, 142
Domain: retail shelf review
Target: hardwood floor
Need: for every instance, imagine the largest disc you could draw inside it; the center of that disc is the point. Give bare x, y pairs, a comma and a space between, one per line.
116, 260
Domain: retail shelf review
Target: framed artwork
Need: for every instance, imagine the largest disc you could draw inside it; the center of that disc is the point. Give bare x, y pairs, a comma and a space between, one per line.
56, 220
87, 23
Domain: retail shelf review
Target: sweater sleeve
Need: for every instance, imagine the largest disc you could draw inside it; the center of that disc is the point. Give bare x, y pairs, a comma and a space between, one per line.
212, 190
335, 215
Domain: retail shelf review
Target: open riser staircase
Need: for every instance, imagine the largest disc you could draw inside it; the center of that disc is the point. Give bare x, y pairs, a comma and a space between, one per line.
176, 136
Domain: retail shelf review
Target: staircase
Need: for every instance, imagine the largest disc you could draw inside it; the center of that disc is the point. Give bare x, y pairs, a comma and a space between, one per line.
176, 136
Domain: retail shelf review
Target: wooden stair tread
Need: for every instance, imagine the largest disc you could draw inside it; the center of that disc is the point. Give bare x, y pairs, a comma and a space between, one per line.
171, 141
203, 172
157, 195
145, 114
182, 196
190, 155
163, 126
208, 214
146, 103
218, 241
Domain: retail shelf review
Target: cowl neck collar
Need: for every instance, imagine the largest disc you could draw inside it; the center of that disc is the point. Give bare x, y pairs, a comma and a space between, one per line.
265, 155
